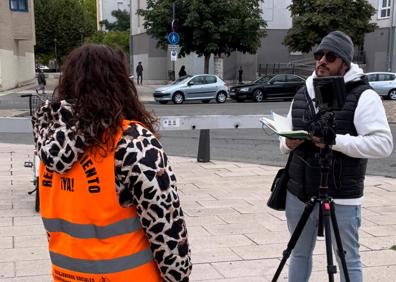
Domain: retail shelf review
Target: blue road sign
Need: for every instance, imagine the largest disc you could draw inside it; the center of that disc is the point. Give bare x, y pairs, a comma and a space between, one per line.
173, 38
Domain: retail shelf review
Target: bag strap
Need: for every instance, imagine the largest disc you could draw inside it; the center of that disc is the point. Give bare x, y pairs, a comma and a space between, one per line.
289, 160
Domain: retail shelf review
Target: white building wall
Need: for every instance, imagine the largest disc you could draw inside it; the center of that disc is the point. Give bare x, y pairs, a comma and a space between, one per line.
107, 6
276, 14
15, 70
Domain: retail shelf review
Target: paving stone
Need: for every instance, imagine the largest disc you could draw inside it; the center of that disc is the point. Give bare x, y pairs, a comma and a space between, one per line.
204, 255
5, 221
6, 242
229, 229
39, 278
28, 220
378, 243
31, 241
31, 253
204, 220
21, 230
243, 269
7, 269
213, 242
32, 267
379, 258
204, 272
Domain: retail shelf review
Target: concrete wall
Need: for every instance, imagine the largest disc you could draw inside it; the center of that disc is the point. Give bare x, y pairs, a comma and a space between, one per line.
17, 41
377, 49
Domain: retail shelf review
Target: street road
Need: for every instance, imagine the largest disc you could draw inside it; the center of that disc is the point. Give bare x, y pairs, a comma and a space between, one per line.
245, 145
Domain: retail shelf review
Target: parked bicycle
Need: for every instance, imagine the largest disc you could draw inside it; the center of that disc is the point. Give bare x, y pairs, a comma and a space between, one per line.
35, 101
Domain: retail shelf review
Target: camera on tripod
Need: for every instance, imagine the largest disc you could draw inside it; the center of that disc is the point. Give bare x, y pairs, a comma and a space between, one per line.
330, 95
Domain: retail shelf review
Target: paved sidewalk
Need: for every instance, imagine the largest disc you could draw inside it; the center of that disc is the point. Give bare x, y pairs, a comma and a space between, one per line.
234, 236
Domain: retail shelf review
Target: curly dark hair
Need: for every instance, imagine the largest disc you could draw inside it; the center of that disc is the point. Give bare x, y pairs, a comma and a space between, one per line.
95, 81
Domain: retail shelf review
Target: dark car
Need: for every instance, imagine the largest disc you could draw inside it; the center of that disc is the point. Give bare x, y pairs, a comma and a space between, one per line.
269, 86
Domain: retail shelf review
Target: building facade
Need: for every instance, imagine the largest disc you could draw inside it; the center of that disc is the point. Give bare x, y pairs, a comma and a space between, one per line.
17, 40
379, 47
105, 7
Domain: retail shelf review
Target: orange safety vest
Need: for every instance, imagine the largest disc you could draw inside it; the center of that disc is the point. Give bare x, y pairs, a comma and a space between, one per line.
91, 237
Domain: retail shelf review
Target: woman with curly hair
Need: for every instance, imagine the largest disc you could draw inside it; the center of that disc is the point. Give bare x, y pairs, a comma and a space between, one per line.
108, 195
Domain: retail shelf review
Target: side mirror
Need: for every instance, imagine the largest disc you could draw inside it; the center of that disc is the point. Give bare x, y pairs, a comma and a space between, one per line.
190, 83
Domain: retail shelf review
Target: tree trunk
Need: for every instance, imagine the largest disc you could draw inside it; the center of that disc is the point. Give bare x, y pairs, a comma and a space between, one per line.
206, 66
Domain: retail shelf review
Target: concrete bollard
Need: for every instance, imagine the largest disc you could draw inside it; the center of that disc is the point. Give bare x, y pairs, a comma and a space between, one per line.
204, 146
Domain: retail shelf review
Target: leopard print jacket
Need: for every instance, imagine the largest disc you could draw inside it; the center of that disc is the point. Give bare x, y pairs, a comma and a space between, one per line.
143, 177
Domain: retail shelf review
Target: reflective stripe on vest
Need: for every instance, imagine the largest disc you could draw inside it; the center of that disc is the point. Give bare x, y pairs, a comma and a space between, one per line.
90, 230
102, 266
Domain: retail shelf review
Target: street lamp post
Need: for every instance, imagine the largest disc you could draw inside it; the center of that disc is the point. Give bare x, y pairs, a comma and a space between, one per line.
101, 30
82, 35
56, 55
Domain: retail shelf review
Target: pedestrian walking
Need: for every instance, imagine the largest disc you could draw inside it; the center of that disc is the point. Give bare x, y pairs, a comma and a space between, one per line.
240, 73
182, 71
362, 132
41, 80
109, 201
139, 73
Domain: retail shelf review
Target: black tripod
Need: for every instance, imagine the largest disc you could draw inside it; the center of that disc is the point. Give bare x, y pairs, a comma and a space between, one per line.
326, 212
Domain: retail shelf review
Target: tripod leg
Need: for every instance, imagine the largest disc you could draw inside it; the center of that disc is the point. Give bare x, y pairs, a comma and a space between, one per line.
294, 238
340, 252
331, 268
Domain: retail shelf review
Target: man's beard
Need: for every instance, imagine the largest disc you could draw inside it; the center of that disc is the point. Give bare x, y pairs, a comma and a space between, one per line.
337, 72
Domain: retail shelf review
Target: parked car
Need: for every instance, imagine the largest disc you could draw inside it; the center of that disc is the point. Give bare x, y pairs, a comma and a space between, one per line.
42, 67
384, 83
269, 86
204, 87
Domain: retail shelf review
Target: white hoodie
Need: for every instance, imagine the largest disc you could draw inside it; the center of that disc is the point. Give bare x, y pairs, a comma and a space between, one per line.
374, 139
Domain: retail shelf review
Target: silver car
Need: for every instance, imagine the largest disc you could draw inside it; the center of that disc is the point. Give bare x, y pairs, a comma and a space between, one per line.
384, 83
204, 87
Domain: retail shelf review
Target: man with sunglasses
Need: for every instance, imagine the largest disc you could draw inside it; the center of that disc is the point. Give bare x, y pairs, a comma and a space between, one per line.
362, 132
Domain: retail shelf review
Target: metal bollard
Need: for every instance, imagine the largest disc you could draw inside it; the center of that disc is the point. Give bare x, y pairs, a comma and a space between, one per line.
204, 146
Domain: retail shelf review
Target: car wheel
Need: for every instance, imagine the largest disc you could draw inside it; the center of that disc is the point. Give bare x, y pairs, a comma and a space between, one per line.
178, 98
221, 97
258, 95
163, 102
206, 101
392, 94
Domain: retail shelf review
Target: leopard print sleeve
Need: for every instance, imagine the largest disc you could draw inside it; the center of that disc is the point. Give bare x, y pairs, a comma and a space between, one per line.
57, 144
145, 179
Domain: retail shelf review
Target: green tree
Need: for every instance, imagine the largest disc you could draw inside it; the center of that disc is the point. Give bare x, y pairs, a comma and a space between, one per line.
89, 9
313, 19
114, 39
207, 26
122, 22
67, 21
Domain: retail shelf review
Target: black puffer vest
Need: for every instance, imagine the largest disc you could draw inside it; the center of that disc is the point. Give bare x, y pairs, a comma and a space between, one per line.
346, 175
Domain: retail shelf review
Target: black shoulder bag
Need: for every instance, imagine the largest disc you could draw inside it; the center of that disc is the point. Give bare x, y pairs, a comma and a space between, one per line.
277, 199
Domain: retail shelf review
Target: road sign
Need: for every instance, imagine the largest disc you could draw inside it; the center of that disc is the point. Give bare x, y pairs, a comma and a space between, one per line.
173, 47
173, 56
173, 38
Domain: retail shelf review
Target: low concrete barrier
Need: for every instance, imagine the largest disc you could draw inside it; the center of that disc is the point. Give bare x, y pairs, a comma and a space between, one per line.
202, 123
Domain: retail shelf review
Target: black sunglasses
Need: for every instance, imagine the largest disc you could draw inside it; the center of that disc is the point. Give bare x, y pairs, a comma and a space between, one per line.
330, 56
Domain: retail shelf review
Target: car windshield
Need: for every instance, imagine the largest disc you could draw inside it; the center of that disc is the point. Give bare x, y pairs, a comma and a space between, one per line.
181, 79
263, 79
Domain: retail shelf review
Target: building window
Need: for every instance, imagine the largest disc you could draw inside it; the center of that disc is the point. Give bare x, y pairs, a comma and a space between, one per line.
384, 9
19, 5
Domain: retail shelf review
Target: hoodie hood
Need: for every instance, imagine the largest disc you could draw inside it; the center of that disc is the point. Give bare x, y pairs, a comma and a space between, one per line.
353, 74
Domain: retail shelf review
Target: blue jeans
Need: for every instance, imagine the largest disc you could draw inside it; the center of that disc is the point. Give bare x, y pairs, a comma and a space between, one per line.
348, 219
